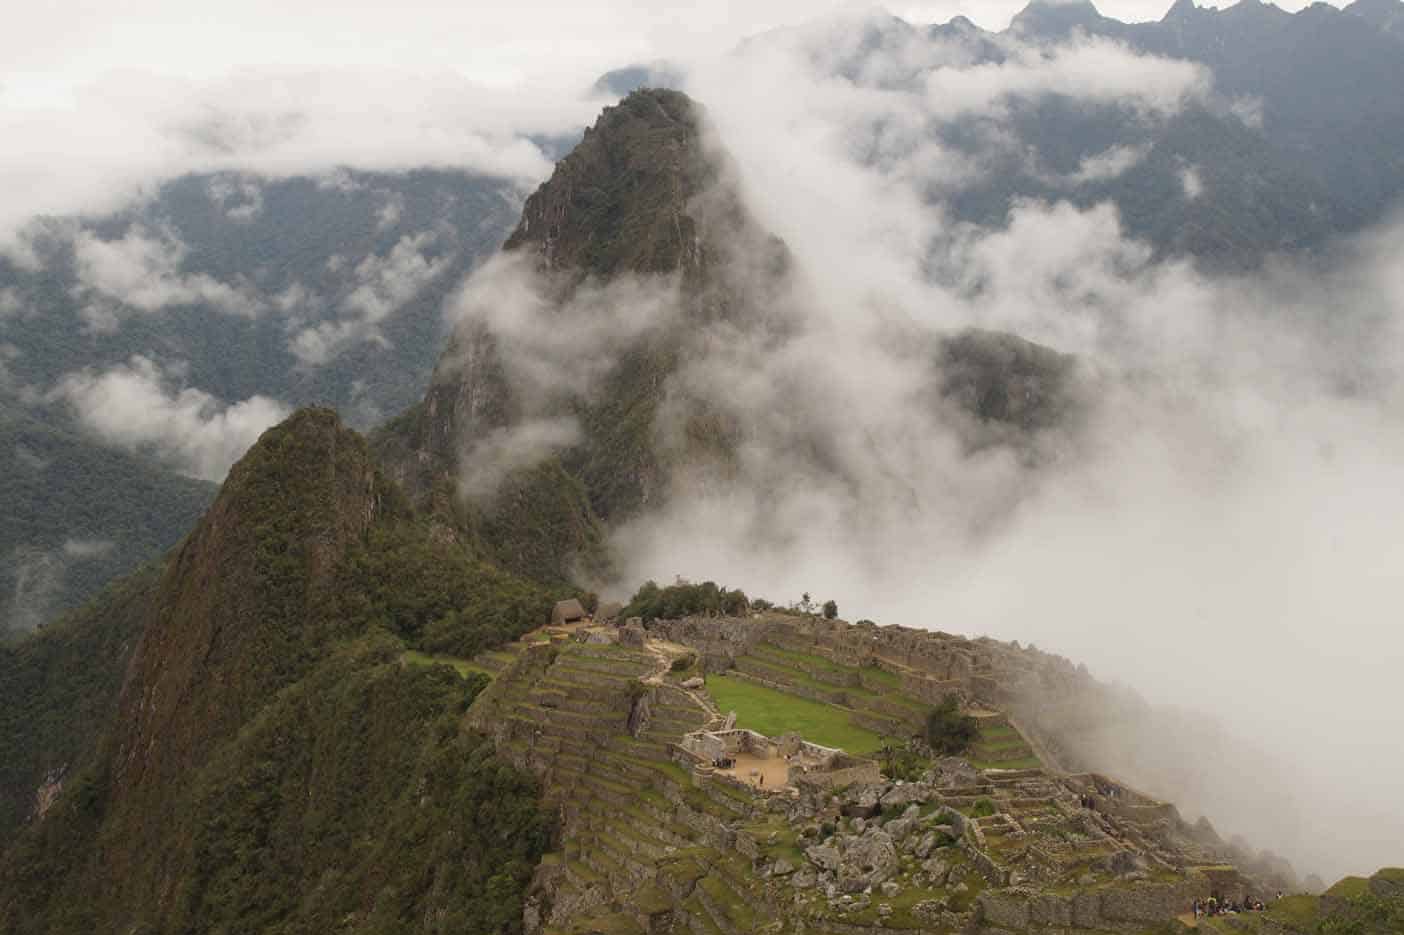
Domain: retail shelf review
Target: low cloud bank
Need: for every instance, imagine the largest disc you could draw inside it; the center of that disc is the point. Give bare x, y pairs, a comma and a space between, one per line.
140, 406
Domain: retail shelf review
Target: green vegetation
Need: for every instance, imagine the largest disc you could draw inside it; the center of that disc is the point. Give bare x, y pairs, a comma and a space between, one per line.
949, 732
904, 762
683, 600
999, 746
774, 713
78, 514
436, 597
281, 761
464, 667
58, 689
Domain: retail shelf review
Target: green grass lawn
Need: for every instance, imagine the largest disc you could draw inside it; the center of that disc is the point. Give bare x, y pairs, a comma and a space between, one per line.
774, 713
464, 668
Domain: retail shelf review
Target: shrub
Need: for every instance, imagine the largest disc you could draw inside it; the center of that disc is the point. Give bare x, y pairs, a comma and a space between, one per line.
683, 600
903, 762
830, 610
948, 731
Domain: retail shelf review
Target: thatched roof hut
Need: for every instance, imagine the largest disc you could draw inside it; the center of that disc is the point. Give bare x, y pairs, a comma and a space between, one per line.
569, 611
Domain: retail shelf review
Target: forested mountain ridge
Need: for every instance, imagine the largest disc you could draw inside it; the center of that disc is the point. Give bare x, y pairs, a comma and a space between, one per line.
268, 661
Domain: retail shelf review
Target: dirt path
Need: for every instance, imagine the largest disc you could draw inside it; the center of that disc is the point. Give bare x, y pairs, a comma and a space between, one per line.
664, 653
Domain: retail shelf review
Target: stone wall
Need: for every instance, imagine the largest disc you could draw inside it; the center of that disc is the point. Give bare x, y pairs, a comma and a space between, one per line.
838, 778
1114, 908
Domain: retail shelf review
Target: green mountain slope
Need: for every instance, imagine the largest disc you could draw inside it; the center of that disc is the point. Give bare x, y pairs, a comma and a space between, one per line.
78, 514
269, 763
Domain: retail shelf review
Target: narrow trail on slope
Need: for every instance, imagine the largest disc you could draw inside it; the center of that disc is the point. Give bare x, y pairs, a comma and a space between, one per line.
664, 653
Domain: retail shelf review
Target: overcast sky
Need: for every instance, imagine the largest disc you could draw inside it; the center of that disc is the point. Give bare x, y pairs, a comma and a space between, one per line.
50, 46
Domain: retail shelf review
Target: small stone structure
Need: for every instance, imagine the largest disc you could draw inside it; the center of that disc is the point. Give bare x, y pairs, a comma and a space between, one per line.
632, 634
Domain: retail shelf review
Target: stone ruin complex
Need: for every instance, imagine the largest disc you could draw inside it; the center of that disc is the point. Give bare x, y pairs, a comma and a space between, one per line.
656, 837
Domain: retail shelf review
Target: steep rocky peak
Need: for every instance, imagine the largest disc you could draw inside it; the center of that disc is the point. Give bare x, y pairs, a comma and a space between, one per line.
1255, 11
1055, 18
619, 201
1181, 11
238, 609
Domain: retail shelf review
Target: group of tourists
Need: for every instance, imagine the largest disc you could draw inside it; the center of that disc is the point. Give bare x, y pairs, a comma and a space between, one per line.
1213, 906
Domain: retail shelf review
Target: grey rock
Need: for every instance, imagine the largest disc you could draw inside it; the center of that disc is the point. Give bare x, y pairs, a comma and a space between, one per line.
907, 794
693, 682
824, 856
898, 828
867, 860
864, 803
936, 869
890, 888
925, 846
781, 868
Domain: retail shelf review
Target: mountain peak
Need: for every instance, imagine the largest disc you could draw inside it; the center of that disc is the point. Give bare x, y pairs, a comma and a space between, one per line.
1049, 19
1255, 9
617, 201
1181, 11
239, 596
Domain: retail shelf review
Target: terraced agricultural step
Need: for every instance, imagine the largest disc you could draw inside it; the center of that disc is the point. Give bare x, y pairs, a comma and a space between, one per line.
729, 911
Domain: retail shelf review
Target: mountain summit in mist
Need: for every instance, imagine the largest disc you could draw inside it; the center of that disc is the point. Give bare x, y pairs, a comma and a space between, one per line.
566, 383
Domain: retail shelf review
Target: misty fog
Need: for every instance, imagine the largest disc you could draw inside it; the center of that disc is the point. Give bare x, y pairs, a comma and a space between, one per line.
1217, 531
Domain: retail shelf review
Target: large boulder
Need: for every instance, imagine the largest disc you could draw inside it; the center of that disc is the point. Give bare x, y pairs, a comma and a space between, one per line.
907, 793
824, 856
865, 802
867, 860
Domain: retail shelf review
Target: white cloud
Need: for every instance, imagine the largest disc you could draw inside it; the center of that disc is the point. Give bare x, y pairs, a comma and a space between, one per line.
10, 303
383, 285
1192, 181
142, 270
139, 406
240, 197
1094, 70
87, 548
558, 346
1109, 164
493, 458
102, 145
